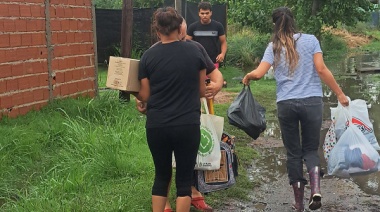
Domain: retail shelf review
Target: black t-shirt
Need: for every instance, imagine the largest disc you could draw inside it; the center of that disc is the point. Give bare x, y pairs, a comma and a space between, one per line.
210, 66
173, 73
208, 36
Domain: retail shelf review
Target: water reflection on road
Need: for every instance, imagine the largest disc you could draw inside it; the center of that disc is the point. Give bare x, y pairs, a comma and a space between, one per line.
356, 85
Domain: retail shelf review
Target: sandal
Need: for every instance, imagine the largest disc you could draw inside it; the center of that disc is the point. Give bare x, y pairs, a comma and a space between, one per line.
168, 210
200, 204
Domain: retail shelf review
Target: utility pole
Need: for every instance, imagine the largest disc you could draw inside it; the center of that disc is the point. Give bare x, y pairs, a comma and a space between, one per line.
178, 6
126, 38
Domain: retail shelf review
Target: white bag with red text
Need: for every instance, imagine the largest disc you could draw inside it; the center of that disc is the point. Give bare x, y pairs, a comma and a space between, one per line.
360, 118
353, 154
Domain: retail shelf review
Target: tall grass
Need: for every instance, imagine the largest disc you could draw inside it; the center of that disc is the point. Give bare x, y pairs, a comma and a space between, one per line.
102, 75
246, 48
374, 45
333, 46
76, 155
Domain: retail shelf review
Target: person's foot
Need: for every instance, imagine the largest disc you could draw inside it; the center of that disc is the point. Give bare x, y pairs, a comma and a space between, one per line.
200, 204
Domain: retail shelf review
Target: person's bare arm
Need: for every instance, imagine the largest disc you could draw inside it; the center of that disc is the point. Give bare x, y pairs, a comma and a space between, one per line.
144, 93
223, 48
327, 77
141, 106
215, 85
258, 73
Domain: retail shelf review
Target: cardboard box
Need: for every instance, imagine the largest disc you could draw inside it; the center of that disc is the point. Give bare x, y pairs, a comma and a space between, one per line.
123, 74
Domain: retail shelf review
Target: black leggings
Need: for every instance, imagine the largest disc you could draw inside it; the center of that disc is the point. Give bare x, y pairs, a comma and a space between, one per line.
184, 142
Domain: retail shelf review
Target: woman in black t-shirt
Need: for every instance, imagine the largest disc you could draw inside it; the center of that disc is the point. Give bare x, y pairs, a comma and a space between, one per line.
172, 78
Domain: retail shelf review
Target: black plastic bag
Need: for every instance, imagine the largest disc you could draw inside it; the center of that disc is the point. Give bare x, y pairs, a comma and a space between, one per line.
247, 114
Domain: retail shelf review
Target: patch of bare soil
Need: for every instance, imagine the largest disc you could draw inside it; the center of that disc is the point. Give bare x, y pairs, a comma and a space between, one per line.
275, 193
352, 40
224, 97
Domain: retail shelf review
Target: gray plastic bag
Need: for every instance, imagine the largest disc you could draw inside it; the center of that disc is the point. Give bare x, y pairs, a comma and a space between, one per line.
247, 114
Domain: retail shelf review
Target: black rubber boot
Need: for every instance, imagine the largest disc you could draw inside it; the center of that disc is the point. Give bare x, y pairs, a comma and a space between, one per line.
298, 189
315, 197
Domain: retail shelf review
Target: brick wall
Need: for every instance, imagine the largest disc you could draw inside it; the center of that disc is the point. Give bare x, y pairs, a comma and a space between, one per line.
46, 52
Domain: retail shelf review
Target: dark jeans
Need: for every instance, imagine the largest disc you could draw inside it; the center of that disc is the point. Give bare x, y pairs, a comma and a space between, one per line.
300, 122
184, 142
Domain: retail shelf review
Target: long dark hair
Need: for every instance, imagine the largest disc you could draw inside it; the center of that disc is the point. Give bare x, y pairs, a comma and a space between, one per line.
166, 20
284, 30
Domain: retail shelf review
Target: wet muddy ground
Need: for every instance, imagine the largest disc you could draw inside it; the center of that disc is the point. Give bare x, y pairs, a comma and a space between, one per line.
275, 194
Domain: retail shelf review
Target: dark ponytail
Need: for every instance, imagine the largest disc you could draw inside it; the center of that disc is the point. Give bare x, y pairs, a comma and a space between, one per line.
284, 30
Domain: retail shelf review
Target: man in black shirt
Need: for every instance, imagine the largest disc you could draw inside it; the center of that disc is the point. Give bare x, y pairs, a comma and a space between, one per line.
209, 33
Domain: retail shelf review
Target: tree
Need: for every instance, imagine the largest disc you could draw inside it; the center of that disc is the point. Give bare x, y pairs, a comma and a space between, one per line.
311, 15
332, 12
255, 13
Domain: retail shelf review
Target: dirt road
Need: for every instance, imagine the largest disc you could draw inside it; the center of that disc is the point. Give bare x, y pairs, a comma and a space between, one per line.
275, 194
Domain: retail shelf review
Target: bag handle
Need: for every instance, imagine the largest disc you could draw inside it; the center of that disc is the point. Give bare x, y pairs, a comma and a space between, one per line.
346, 111
248, 87
204, 103
210, 102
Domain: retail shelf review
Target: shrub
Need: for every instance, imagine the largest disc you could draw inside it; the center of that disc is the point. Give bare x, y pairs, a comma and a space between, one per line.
333, 46
245, 48
359, 28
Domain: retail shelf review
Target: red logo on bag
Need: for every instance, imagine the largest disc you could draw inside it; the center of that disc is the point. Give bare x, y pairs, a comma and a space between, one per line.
361, 125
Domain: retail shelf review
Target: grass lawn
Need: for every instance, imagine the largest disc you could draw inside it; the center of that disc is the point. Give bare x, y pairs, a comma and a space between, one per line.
91, 154
102, 76
76, 155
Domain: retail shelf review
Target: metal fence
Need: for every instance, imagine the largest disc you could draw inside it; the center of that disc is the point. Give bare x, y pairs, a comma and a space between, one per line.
108, 27
108, 31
